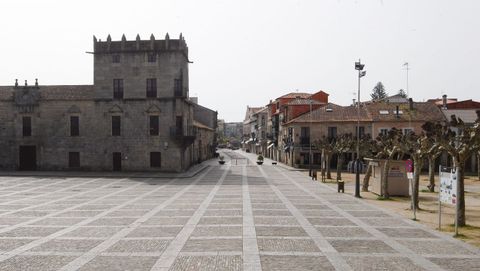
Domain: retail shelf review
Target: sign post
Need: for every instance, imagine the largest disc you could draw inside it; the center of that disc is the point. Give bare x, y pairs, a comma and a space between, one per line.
409, 170
448, 192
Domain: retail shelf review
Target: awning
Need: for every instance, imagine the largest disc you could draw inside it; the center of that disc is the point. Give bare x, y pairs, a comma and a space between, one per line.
248, 141
271, 145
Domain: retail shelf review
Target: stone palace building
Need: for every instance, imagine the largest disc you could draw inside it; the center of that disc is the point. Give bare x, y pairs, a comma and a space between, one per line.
137, 115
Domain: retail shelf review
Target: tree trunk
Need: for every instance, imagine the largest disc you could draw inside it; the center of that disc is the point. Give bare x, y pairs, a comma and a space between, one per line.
329, 174
366, 179
462, 221
416, 182
386, 170
339, 166
431, 174
478, 165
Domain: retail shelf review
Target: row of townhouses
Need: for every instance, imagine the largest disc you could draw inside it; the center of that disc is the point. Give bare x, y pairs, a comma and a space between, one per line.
284, 129
137, 115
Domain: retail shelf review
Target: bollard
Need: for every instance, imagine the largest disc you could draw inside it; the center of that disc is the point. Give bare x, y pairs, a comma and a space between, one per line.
341, 186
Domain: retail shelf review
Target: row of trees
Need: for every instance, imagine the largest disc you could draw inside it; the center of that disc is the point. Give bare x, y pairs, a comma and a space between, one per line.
455, 138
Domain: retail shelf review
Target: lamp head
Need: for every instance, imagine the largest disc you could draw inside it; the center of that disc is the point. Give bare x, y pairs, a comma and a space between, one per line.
359, 66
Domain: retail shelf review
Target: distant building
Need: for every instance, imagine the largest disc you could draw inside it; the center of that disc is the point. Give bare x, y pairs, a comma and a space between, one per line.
137, 115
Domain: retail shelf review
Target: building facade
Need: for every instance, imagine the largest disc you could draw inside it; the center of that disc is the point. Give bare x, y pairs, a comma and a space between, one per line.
136, 116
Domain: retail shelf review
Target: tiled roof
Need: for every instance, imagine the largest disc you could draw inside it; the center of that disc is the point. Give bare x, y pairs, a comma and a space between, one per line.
67, 92
423, 111
303, 101
294, 95
333, 113
201, 126
467, 115
55, 92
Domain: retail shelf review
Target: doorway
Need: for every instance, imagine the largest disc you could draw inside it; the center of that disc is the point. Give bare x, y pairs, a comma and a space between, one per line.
27, 158
117, 161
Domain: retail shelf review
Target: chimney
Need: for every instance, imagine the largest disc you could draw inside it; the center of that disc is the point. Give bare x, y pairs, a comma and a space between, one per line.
16, 82
26, 83
397, 112
36, 82
410, 103
444, 101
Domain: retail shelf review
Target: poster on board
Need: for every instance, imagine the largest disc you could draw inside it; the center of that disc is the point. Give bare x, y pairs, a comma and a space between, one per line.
448, 186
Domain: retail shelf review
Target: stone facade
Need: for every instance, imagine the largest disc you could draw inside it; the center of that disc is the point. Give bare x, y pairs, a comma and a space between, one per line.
135, 117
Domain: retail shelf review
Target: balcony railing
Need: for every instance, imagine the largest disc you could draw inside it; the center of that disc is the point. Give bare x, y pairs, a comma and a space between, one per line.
179, 132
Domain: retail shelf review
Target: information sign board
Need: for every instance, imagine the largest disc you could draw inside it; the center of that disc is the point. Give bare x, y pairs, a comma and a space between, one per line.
448, 186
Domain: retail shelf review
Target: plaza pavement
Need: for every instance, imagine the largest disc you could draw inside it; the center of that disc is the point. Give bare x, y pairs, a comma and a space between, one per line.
238, 216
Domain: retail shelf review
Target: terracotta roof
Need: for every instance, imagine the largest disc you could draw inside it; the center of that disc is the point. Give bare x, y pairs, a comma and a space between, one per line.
333, 113
467, 115
302, 101
423, 111
55, 92
293, 95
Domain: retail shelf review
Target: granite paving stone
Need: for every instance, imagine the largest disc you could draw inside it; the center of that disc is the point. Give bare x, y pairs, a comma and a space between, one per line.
136, 263
279, 231
382, 263
471, 264
299, 263
35, 263
62, 245
361, 246
139, 246
290, 245
155, 232
231, 217
217, 231
343, 232
213, 245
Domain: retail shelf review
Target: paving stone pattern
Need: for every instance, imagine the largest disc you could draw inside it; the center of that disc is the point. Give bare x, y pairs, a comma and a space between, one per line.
230, 217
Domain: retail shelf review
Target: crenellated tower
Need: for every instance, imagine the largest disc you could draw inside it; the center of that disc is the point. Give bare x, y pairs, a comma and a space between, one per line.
125, 69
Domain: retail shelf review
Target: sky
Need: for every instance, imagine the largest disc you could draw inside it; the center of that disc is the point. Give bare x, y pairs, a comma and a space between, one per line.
249, 52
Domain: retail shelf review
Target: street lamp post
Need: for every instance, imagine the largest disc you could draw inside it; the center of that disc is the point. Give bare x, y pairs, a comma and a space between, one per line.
310, 140
361, 73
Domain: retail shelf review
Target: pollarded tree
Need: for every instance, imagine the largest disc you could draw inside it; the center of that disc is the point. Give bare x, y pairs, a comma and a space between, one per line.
342, 144
390, 144
378, 92
370, 149
417, 146
460, 141
432, 131
326, 145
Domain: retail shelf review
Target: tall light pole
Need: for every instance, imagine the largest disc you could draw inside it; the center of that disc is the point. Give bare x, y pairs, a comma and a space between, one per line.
310, 140
361, 73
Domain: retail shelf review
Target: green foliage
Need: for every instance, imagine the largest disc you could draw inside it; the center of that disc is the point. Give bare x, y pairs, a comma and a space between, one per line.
260, 158
402, 93
379, 92
221, 158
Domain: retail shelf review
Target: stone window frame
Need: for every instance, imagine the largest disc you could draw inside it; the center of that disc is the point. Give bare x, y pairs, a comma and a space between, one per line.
22, 119
70, 125
118, 86
116, 58
150, 122
151, 57
151, 88
120, 132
